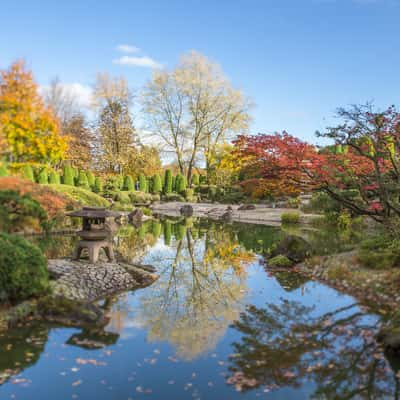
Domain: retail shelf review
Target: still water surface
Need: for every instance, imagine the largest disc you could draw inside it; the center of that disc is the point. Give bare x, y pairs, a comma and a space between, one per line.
218, 324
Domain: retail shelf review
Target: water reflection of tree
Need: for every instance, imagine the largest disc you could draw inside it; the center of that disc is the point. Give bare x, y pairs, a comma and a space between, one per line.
200, 287
284, 345
132, 242
20, 349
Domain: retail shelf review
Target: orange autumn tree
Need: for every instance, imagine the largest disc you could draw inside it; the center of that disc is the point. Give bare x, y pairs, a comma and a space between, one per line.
29, 131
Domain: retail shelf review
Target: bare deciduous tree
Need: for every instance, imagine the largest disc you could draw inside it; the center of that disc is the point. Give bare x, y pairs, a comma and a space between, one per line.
192, 109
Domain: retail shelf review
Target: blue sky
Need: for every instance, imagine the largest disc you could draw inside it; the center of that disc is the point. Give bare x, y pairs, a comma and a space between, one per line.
297, 59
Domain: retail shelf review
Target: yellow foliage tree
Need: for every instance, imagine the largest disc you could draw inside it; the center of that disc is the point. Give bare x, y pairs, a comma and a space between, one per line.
28, 130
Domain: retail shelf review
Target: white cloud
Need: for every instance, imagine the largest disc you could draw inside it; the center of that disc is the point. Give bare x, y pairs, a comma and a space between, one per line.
82, 93
139, 61
126, 48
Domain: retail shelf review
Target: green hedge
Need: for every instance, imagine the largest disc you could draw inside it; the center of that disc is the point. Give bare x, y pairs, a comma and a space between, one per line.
23, 269
81, 195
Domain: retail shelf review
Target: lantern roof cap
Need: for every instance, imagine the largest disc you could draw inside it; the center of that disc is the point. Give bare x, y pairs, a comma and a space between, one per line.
94, 212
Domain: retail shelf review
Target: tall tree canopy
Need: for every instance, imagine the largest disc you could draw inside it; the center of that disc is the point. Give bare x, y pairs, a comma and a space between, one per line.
361, 171
192, 109
73, 122
114, 128
29, 131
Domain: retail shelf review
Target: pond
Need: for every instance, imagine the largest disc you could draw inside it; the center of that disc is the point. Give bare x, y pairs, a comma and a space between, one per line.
218, 324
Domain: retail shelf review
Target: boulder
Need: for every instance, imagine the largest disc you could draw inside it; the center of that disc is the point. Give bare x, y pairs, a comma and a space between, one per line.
227, 215
295, 248
247, 207
186, 210
135, 216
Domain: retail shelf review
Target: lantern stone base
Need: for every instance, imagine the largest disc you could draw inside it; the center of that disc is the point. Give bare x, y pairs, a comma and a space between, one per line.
94, 247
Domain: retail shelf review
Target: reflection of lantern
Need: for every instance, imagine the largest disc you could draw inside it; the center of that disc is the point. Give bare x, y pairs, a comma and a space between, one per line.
94, 233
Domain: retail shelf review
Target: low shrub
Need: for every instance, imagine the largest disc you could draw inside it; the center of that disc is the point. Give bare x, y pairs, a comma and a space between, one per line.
54, 202
23, 269
81, 195
294, 202
146, 211
117, 206
122, 197
380, 252
20, 212
280, 261
3, 171
190, 196
290, 218
155, 197
140, 197
173, 197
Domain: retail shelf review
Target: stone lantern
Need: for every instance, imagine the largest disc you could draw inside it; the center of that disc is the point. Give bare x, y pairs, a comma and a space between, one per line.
94, 234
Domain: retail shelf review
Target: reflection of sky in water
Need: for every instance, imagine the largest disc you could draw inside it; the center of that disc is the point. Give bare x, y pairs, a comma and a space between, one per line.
179, 338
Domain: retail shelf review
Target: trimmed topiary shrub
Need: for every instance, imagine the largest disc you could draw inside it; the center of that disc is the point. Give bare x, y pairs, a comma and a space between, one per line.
90, 178
142, 183
68, 176
54, 178
3, 171
83, 181
128, 183
28, 173
23, 269
157, 184
167, 232
180, 184
43, 177
168, 181
195, 180
290, 218
174, 184
98, 185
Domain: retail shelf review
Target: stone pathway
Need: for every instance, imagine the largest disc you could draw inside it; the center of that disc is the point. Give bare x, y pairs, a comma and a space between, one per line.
78, 280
